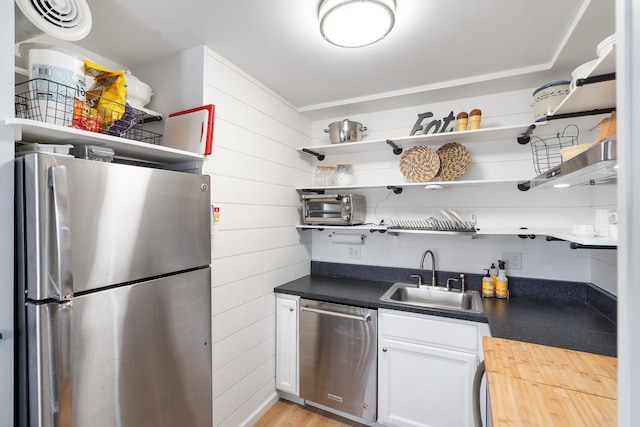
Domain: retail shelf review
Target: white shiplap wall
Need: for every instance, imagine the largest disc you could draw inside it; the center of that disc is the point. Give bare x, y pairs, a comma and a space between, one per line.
496, 206
254, 168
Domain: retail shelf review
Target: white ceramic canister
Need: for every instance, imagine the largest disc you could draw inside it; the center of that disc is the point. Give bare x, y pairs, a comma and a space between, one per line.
59, 80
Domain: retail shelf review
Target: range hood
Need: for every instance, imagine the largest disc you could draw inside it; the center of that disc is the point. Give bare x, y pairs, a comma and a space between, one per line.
596, 165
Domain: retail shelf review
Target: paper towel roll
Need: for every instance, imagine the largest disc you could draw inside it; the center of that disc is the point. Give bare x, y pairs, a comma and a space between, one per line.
349, 239
60, 79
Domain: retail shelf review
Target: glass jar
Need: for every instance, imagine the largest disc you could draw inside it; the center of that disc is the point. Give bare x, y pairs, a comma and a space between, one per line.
344, 175
324, 176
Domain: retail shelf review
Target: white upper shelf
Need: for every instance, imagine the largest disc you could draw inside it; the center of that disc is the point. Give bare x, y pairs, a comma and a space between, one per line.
592, 96
427, 185
47, 133
602, 242
485, 134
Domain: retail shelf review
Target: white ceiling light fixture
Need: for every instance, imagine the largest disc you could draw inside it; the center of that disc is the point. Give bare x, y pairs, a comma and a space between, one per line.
356, 23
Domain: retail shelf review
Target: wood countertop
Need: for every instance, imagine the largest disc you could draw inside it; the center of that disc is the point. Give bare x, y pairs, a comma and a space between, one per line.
537, 385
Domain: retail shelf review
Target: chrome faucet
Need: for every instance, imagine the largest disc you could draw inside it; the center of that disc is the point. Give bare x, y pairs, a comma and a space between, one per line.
463, 286
433, 266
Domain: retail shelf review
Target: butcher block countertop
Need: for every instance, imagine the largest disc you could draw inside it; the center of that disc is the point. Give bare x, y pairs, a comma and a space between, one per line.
538, 385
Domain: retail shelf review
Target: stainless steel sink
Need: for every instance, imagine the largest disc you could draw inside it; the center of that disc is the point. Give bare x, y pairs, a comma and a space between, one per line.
434, 297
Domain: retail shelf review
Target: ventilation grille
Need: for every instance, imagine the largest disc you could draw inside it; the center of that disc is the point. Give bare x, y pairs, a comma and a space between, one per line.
63, 14
64, 19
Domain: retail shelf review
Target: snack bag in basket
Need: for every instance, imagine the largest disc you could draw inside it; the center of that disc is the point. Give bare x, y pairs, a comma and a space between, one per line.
85, 117
108, 93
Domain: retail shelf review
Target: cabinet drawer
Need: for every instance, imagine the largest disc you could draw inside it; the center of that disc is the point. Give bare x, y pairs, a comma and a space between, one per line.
430, 330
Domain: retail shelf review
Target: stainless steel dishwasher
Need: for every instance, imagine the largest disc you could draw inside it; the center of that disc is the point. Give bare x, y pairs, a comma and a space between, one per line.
338, 357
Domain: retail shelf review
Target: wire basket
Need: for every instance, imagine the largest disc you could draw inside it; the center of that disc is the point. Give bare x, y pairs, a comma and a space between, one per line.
51, 102
546, 151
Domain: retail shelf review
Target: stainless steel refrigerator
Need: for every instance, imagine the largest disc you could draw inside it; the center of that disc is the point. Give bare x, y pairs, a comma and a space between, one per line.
113, 294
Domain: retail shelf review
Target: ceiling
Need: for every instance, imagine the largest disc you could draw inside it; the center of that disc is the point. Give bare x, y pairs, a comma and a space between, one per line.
437, 49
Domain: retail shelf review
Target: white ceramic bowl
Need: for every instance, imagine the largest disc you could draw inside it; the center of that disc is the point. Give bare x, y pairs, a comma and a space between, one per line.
583, 70
138, 93
583, 230
547, 98
605, 45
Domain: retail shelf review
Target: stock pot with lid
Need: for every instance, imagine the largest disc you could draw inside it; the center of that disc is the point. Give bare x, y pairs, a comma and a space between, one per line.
345, 131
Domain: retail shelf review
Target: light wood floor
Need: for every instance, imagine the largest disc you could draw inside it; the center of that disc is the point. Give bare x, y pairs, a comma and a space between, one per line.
289, 414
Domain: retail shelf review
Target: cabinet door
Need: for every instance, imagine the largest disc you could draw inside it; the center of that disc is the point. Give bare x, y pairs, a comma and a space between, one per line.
287, 345
420, 385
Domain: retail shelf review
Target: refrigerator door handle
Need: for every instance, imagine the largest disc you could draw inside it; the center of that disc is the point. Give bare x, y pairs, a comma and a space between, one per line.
62, 226
63, 385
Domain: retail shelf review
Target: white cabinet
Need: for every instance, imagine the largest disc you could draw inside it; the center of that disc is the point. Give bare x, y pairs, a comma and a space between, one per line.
287, 343
426, 366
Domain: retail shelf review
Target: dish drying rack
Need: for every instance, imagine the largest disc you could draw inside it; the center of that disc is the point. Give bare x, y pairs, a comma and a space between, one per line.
431, 224
48, 101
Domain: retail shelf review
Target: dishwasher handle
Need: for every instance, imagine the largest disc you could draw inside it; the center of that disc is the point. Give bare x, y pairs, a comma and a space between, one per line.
362, 318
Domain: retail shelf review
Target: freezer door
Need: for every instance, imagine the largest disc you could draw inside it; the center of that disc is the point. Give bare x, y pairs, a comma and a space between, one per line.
132, 356
91, 224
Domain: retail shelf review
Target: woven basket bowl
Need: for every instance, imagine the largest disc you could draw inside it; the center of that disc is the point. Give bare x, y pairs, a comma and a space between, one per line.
419, 163
454, 161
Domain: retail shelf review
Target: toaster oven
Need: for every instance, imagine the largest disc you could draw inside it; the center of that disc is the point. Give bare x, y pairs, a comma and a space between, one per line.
333, 209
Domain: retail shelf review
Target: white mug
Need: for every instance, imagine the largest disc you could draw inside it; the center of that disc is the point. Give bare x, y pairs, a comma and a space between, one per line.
613, 231
602, 221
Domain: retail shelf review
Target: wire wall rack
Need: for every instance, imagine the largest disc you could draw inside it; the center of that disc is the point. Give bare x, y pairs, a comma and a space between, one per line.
546, 151
51, 102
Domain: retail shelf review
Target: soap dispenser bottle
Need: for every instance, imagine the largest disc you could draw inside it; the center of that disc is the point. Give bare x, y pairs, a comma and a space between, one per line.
488, 285
493, 272
502, 283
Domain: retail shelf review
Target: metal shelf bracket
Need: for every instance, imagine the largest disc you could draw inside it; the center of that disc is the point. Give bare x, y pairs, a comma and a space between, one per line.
581, 113
576, 245
596, 79
525, 138
396, 150
314, 153
526, 236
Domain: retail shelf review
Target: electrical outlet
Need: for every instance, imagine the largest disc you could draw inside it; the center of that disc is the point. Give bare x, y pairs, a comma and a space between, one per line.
353, 252
513, 260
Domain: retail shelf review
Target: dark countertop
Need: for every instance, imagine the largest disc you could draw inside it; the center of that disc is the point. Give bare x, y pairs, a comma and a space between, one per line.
566, 324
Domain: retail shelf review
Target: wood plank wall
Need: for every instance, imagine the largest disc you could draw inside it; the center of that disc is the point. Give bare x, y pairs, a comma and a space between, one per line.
254, 168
